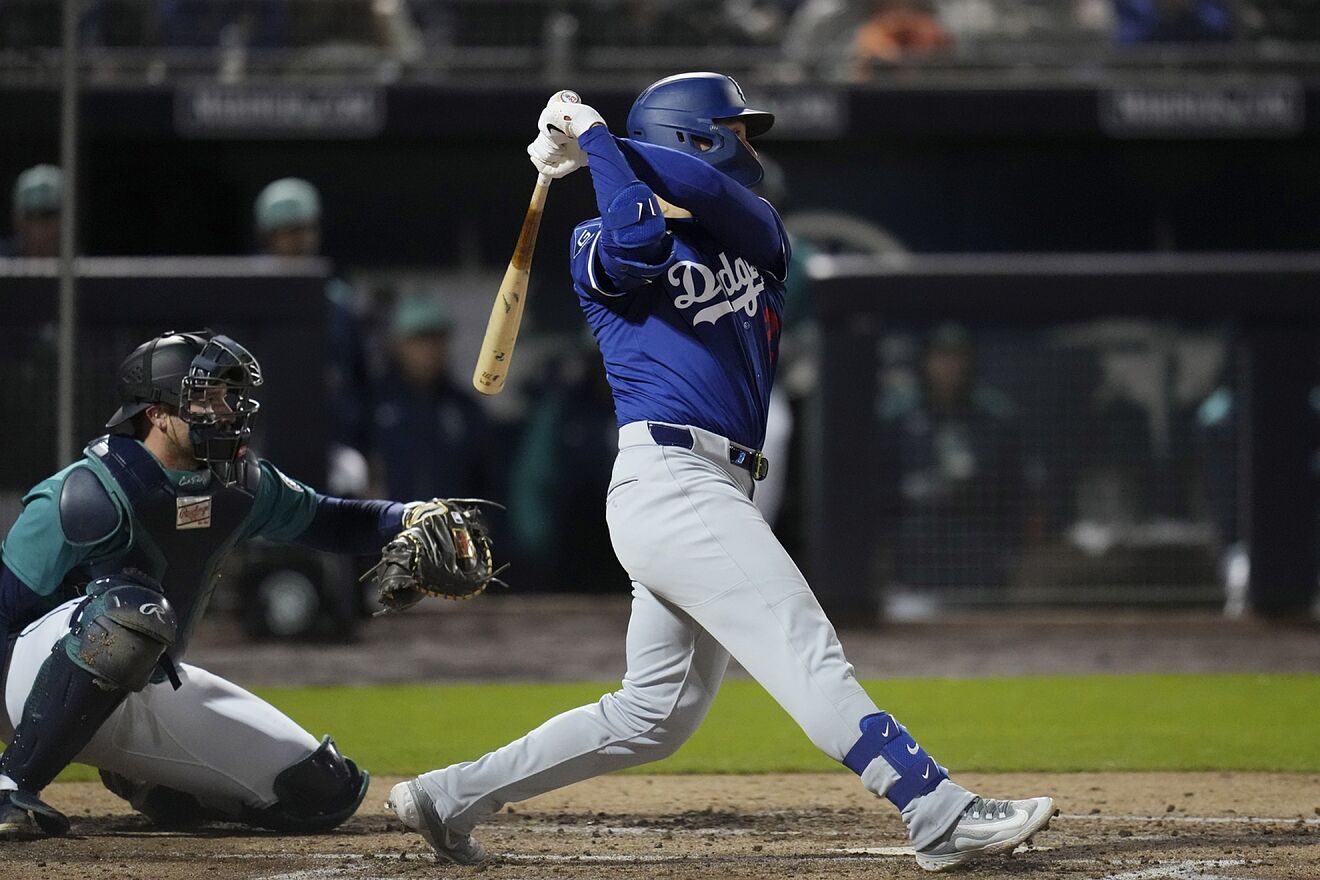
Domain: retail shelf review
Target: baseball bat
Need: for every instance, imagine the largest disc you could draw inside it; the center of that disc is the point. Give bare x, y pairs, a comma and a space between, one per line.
506, 314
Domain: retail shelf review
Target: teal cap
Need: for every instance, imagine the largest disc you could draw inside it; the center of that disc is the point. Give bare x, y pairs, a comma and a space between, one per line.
289, 201
950, 336
39, 189
418, 315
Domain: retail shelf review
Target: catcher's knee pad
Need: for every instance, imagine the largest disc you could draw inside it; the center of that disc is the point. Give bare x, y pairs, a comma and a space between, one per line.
316, 794
120, 632
884, 737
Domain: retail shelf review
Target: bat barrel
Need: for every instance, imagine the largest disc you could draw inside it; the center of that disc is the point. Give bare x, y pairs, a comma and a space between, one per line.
492, 367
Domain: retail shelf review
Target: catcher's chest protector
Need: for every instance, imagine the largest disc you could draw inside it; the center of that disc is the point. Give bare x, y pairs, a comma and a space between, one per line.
179, 536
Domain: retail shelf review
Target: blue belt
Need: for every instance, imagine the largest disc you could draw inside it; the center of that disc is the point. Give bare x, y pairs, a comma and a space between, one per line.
750, 460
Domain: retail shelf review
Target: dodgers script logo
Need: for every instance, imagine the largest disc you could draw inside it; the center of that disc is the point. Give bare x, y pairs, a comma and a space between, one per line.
739, 284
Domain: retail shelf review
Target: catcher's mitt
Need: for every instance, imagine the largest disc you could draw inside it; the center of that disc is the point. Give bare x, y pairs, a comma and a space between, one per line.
444, 550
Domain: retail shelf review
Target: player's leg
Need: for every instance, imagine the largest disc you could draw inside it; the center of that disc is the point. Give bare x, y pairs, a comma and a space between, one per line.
69, 672
209, 750
688, 529
214, 751
674, 671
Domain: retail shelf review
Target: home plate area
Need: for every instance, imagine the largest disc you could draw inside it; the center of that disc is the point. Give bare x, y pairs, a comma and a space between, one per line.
1112, 826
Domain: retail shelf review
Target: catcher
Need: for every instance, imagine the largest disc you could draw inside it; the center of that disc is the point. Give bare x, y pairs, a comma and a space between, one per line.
109, 568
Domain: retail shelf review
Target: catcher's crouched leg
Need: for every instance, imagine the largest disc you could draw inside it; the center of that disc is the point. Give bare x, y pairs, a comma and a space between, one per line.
317, 793
166, 807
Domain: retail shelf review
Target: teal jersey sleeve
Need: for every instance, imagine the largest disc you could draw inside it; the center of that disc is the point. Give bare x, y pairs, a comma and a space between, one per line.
284, 507
37, 550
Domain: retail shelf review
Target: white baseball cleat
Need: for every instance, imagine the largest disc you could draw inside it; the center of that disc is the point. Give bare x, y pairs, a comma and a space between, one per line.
987, 827
416, 811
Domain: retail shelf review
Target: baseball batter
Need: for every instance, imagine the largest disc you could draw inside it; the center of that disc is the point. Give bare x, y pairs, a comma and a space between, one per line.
104, 578
686, 310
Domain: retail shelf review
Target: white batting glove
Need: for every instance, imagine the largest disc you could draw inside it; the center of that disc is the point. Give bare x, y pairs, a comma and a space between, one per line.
567, 116
553, 158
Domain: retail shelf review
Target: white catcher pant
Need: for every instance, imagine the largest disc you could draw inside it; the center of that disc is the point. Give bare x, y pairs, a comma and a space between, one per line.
710, 580
210, 738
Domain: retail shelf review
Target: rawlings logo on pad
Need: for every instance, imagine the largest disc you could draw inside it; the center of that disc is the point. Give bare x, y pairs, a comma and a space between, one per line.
192, 512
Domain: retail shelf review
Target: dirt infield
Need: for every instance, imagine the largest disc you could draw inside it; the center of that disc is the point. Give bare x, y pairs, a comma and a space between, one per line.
1187, 826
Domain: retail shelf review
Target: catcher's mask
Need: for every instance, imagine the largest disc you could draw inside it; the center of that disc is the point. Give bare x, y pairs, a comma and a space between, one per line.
208, 378
216, 401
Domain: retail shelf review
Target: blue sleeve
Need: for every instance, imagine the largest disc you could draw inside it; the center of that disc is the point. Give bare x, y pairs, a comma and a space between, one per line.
732, 213
287, 512
633, 247
344, 525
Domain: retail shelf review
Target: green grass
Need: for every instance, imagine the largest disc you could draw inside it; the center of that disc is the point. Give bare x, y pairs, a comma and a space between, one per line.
1130, 722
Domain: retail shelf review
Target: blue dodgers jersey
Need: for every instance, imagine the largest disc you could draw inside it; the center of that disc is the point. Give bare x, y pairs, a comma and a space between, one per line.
695, 346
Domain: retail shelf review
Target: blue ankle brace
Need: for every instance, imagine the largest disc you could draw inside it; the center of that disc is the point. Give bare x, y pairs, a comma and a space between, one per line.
883, 737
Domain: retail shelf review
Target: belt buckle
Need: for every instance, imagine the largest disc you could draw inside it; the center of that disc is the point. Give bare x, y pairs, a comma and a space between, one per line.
760, 466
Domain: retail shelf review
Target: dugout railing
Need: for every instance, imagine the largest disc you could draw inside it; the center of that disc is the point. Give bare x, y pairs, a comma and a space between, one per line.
1164, 409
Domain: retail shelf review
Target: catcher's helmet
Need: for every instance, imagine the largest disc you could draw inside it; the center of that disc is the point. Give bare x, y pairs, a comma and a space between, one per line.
154, 373
207, 379
682, 112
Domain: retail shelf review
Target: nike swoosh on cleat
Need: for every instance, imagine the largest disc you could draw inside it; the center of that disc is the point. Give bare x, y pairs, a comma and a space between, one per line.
926, 775
913, 749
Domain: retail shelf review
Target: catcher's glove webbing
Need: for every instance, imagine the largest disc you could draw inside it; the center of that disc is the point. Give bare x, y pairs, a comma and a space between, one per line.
444, 550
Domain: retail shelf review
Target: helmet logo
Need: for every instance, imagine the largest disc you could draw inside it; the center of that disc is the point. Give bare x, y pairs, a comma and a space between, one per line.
151, 609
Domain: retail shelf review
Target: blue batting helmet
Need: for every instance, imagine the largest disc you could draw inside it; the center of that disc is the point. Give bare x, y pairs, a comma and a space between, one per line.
682, 112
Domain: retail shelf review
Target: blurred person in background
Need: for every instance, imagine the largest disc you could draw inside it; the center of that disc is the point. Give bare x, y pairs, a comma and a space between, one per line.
427, 432
895, 30
28, 361
27, 24
1173, 21
843, 39
287, 215
562, 468
952, 456
203, 23
1290, 20
37, 199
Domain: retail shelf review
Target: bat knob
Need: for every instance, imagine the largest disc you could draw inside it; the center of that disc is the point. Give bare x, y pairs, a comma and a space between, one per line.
568, 96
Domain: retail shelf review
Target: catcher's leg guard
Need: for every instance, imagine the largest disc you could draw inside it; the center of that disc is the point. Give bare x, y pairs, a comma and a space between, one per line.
64, 709
118, 635
316, 794
884, 737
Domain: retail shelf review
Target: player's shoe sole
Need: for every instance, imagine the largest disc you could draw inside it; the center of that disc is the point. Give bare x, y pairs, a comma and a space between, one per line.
24, 816
16, 824
416, 810
977, 834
